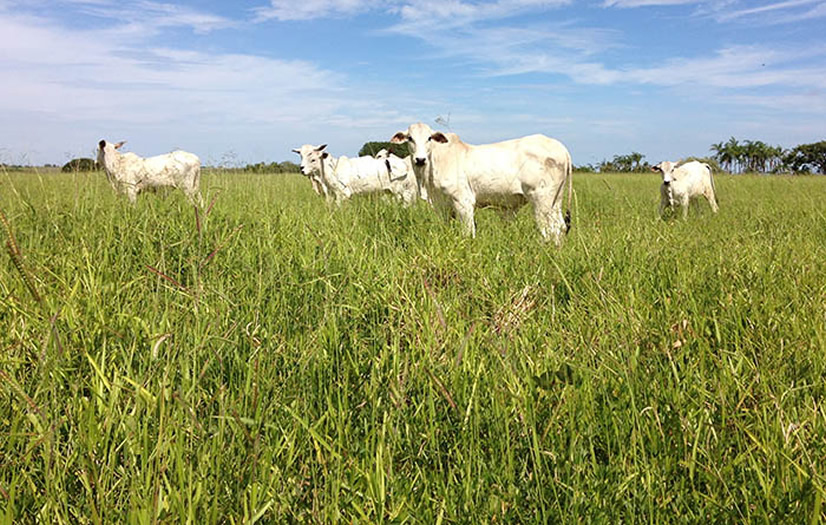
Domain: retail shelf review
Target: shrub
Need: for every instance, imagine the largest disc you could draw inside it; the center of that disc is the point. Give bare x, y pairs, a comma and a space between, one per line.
81, 164
371, 148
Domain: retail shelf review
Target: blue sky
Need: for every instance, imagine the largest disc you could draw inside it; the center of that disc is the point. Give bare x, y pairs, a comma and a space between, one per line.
246, 81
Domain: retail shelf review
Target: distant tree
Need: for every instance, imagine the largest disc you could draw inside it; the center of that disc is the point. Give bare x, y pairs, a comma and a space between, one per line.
289, 167
81, 164
735, 152
371, 148
722, 155
606, 166
585, 168
271, 167
749, 155
631, 163
807, 158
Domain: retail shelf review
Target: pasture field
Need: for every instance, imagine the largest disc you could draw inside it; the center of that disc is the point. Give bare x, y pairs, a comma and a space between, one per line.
279, 361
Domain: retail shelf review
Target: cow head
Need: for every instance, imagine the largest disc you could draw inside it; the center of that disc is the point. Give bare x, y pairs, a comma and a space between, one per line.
311, 158
107, 147
665, 168
421, 140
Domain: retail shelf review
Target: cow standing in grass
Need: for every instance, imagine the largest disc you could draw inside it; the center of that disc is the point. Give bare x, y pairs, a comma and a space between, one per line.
130, 174
683, 183
460, 177
402, 167
315, 177
344, 177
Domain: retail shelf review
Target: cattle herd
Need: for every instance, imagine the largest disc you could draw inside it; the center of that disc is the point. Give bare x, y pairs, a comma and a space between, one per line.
451, 175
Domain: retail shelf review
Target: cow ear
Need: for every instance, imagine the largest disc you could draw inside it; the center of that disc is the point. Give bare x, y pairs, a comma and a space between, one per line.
102, 144
119, 144
321, 147
399, 138
439, 137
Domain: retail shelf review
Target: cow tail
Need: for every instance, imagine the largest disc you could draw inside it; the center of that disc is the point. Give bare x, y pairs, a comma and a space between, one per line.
569, 177
713, 187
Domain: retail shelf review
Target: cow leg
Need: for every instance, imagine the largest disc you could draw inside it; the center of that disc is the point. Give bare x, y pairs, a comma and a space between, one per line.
712, 201
666, 199
132, 194
463, 207
663, 205
684, 202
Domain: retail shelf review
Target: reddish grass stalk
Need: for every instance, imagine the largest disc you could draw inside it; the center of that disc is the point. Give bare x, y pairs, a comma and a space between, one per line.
168, 278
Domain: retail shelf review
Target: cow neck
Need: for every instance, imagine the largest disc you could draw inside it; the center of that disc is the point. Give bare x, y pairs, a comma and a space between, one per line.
436, 157
112, 163
328, 169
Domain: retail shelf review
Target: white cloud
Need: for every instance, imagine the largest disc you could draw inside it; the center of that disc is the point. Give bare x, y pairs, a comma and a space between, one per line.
144, 17
737, 67
148, 16
572, 51
411, 11
284, 10
646, 3
110, 84
771, 13
778, 12
451, 13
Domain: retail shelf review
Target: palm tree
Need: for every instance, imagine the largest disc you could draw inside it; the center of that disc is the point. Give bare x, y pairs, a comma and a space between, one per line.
722, 155
735, 153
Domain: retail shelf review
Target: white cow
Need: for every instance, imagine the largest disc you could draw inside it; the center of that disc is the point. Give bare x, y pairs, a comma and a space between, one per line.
131, 174
344, 177
459, 177
315, 177
685, 182
402, 167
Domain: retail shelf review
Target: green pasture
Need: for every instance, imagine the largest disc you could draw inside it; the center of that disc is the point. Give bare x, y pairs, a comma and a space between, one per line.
276, 360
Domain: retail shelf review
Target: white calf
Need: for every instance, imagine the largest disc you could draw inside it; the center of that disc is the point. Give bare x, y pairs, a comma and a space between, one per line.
344, 177
685, 182
459, 177
399, 169
131, 174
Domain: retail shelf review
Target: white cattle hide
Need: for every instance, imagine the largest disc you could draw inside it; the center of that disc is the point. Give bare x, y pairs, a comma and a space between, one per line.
315, 177
344, 177
459, 177
401, 168
683, 183
130, 174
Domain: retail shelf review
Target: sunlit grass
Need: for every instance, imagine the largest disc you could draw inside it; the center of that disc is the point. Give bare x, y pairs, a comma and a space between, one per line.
277, 359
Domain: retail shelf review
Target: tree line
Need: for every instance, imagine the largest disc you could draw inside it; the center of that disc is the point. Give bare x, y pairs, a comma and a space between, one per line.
734, 156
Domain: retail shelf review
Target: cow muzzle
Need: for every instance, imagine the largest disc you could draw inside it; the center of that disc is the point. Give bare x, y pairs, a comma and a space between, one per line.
420, 161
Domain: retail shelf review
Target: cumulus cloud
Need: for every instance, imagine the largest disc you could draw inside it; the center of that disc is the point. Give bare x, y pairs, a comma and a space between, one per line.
112, 81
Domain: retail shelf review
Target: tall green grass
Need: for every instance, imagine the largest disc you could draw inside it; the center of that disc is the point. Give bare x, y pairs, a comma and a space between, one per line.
282, 361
